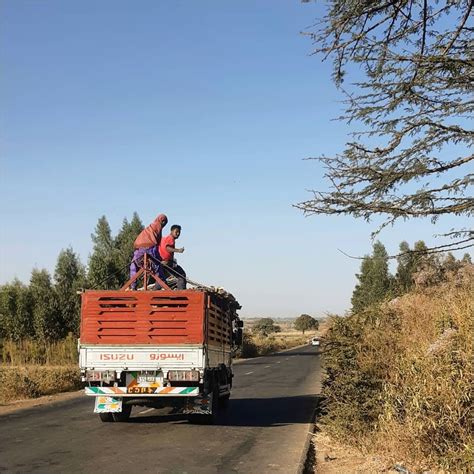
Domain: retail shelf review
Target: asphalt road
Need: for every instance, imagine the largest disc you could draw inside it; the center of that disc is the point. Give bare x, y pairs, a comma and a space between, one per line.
264, 429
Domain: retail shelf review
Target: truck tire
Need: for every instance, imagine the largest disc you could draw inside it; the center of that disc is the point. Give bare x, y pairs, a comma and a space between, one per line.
124, 415
224, 400
106, 417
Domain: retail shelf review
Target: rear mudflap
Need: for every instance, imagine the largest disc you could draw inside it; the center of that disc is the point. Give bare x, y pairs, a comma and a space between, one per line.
201, 405
108, 405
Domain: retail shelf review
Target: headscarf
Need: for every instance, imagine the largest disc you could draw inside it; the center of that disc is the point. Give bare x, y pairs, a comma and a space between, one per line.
151, 235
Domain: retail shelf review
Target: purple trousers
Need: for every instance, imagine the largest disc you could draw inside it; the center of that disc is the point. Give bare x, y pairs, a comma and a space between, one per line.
137, 262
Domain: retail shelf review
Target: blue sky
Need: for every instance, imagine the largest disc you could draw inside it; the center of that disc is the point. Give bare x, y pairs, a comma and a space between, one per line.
202, 110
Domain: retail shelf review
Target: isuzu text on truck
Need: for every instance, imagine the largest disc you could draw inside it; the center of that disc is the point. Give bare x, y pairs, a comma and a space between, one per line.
158, 349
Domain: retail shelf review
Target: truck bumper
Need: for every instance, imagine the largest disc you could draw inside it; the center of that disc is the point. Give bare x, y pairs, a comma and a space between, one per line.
157, 392
201, 405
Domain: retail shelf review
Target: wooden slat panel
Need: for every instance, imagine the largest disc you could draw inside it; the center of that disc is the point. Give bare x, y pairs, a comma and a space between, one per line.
149, 317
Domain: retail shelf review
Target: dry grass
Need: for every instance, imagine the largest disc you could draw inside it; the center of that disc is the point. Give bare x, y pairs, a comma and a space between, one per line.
34, 381
30, 352
255, 345
30, 369
399, 379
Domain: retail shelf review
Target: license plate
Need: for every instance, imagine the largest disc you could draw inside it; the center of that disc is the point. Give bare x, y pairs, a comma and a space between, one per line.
149, 379
141, 390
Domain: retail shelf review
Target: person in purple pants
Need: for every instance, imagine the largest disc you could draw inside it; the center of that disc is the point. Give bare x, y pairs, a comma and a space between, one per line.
148, 241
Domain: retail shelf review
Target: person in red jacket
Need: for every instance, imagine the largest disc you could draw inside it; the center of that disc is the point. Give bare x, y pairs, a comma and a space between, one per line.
148, 241
167, 250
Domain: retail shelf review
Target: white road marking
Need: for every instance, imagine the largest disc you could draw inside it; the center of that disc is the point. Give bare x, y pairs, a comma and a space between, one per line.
146, 411
266, 367
248, 373
279, 362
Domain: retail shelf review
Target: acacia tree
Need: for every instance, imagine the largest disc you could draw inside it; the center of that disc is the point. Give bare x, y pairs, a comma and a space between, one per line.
411, 158
266, 326
305, 322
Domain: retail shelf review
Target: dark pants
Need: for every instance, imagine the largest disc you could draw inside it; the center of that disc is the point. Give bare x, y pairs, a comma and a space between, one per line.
178, 274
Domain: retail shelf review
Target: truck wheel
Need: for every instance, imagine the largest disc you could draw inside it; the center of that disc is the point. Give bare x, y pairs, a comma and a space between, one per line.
106, 417
124, 415
224, 400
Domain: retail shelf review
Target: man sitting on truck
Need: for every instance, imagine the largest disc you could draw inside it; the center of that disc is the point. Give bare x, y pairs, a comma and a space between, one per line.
148, 242
167, 251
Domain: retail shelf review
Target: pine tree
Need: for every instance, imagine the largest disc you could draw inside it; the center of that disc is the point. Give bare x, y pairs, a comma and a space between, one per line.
46, 315
103, 269
124, 246
374, 280
16, 311
69, 276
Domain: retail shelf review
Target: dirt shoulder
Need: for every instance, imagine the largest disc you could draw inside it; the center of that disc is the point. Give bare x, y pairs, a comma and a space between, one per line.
17, 405
335, 458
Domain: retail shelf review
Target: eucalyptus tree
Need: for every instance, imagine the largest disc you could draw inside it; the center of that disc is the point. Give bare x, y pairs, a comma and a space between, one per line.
69, 277
124, 245
374, 280
103, 267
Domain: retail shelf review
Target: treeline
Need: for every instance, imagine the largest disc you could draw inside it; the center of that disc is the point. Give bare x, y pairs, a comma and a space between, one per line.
48, 307
415, 266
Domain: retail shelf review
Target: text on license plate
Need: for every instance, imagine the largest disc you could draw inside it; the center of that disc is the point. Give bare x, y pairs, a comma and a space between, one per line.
138, 390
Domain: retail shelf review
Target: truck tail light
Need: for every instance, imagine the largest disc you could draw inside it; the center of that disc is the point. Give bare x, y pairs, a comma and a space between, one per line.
99, 376
183, 376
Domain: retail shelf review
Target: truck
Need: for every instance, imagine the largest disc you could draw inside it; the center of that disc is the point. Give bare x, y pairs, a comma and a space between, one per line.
165, 348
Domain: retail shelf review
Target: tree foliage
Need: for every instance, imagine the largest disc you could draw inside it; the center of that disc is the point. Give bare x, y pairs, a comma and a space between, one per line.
305, 322
266, 326
412, 156
123, 244
16, 305
374, 279
47, 309
103, 267
70, 277
410, 261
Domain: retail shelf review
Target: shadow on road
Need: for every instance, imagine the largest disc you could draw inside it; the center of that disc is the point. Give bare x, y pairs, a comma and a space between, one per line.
278, 411
254, 412
289, 354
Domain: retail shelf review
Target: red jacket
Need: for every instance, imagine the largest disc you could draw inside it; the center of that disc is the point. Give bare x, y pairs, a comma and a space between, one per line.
151, 235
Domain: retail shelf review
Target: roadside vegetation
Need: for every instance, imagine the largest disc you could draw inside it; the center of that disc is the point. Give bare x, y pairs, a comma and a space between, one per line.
262, 336
399, 369
39, 321
31, 368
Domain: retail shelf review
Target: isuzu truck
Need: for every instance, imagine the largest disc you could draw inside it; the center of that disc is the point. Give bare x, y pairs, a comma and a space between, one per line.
166, 348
